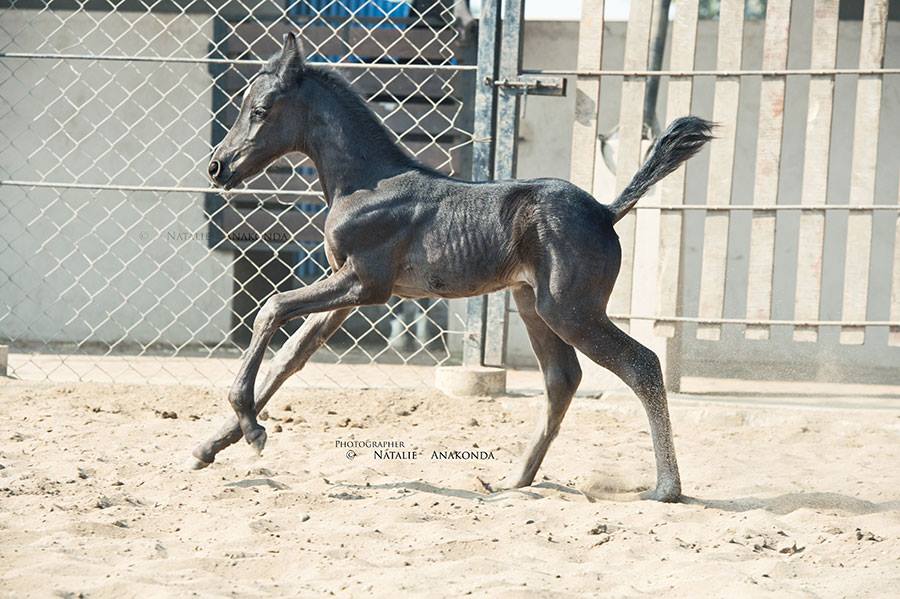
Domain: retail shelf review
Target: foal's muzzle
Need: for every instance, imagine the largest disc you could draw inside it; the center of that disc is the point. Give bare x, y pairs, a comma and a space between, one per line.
219, 173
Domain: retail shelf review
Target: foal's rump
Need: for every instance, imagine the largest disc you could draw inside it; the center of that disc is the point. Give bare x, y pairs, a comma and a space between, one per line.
559, 237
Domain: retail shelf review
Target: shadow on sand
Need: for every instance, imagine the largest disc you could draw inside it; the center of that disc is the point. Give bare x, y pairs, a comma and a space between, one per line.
424, 487
780, 504
789, 502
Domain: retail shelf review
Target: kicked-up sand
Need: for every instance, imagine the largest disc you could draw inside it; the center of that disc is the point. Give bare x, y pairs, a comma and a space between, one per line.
781, 499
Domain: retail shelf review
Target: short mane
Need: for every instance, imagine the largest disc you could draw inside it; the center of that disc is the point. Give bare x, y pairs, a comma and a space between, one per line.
367, 122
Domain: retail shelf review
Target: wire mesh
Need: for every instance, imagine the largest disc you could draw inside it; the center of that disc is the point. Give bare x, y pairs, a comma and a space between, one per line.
111, 241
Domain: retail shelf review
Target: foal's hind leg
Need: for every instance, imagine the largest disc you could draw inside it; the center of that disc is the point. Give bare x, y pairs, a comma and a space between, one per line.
292, 356
638, 367
562, 374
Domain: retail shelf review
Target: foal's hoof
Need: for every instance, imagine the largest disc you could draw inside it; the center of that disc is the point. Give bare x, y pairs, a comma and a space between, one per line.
195, 463
200, 459
257, 439
499, 486
665, 493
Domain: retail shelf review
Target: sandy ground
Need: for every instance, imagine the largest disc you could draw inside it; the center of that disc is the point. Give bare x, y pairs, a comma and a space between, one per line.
783, 500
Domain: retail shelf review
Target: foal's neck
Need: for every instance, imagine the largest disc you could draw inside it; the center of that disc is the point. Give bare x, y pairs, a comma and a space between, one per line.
348, 144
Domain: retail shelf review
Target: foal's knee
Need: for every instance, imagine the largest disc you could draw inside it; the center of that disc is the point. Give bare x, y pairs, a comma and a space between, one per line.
268, 314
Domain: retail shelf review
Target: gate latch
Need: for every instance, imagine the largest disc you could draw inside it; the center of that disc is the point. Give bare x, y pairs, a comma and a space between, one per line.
532, 85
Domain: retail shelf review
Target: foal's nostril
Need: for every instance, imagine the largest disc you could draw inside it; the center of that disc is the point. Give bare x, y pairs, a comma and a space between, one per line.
215, 167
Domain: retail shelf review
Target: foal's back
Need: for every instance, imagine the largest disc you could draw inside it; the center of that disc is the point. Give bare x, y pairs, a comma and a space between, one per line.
460, 239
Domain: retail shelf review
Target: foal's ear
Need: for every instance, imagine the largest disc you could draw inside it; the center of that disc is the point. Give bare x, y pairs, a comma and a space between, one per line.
290, 64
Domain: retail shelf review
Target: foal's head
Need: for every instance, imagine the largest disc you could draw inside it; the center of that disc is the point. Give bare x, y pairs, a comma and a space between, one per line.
267, 127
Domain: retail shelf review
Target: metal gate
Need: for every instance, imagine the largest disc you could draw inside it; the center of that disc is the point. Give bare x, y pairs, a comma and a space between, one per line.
119, 263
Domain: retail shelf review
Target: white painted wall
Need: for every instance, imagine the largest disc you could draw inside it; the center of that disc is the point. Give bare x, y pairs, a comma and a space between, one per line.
108, 265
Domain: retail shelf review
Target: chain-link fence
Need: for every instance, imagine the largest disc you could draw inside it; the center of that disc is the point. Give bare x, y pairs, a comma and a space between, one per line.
113, 245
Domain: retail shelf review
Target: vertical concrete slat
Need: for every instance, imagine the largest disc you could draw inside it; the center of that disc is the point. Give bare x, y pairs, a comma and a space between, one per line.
815, 169
631, 123
721, 167
862, 178
894, 332
768, 158
684, 40
587, 95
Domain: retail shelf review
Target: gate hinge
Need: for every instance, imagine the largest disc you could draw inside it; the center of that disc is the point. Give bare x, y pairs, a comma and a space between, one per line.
530, 85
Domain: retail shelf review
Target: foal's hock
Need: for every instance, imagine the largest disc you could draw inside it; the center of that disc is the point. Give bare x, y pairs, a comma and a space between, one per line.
397, 227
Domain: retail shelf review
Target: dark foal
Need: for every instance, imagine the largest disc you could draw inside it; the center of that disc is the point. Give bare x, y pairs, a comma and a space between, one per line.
399, 228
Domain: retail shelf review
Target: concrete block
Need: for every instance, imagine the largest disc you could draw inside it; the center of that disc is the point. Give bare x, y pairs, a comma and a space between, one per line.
464, 381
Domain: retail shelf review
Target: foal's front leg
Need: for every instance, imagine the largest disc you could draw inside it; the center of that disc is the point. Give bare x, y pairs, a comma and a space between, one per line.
341, 290
292, 356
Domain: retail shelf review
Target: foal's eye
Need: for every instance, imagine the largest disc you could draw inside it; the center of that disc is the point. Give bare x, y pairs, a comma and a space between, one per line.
258, 113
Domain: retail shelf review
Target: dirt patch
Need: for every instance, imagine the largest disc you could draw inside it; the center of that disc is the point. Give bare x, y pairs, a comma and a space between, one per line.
94, 499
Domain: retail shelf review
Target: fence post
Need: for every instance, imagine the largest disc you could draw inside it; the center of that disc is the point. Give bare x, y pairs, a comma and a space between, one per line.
482, 161
480, 345
505, 163
472, 378
4, 357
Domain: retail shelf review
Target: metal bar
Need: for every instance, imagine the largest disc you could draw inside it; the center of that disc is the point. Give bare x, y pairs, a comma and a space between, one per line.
508, 99
588, 73
648, 206
768, 207
593, 74
226, 61
759, 322
505, 161
157, 188
485, 94
482, 161
659, 27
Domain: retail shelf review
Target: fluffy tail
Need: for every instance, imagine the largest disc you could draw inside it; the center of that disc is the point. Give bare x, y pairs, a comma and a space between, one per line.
684, 138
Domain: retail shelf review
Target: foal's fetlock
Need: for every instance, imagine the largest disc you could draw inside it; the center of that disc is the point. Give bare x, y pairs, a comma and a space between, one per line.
256, 437
667, 491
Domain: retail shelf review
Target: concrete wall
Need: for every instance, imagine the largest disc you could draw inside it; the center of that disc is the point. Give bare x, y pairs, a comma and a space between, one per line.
545, 148
107, 265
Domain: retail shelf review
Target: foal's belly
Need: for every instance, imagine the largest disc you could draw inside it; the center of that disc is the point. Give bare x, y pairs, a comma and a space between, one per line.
459, 253
419, 280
